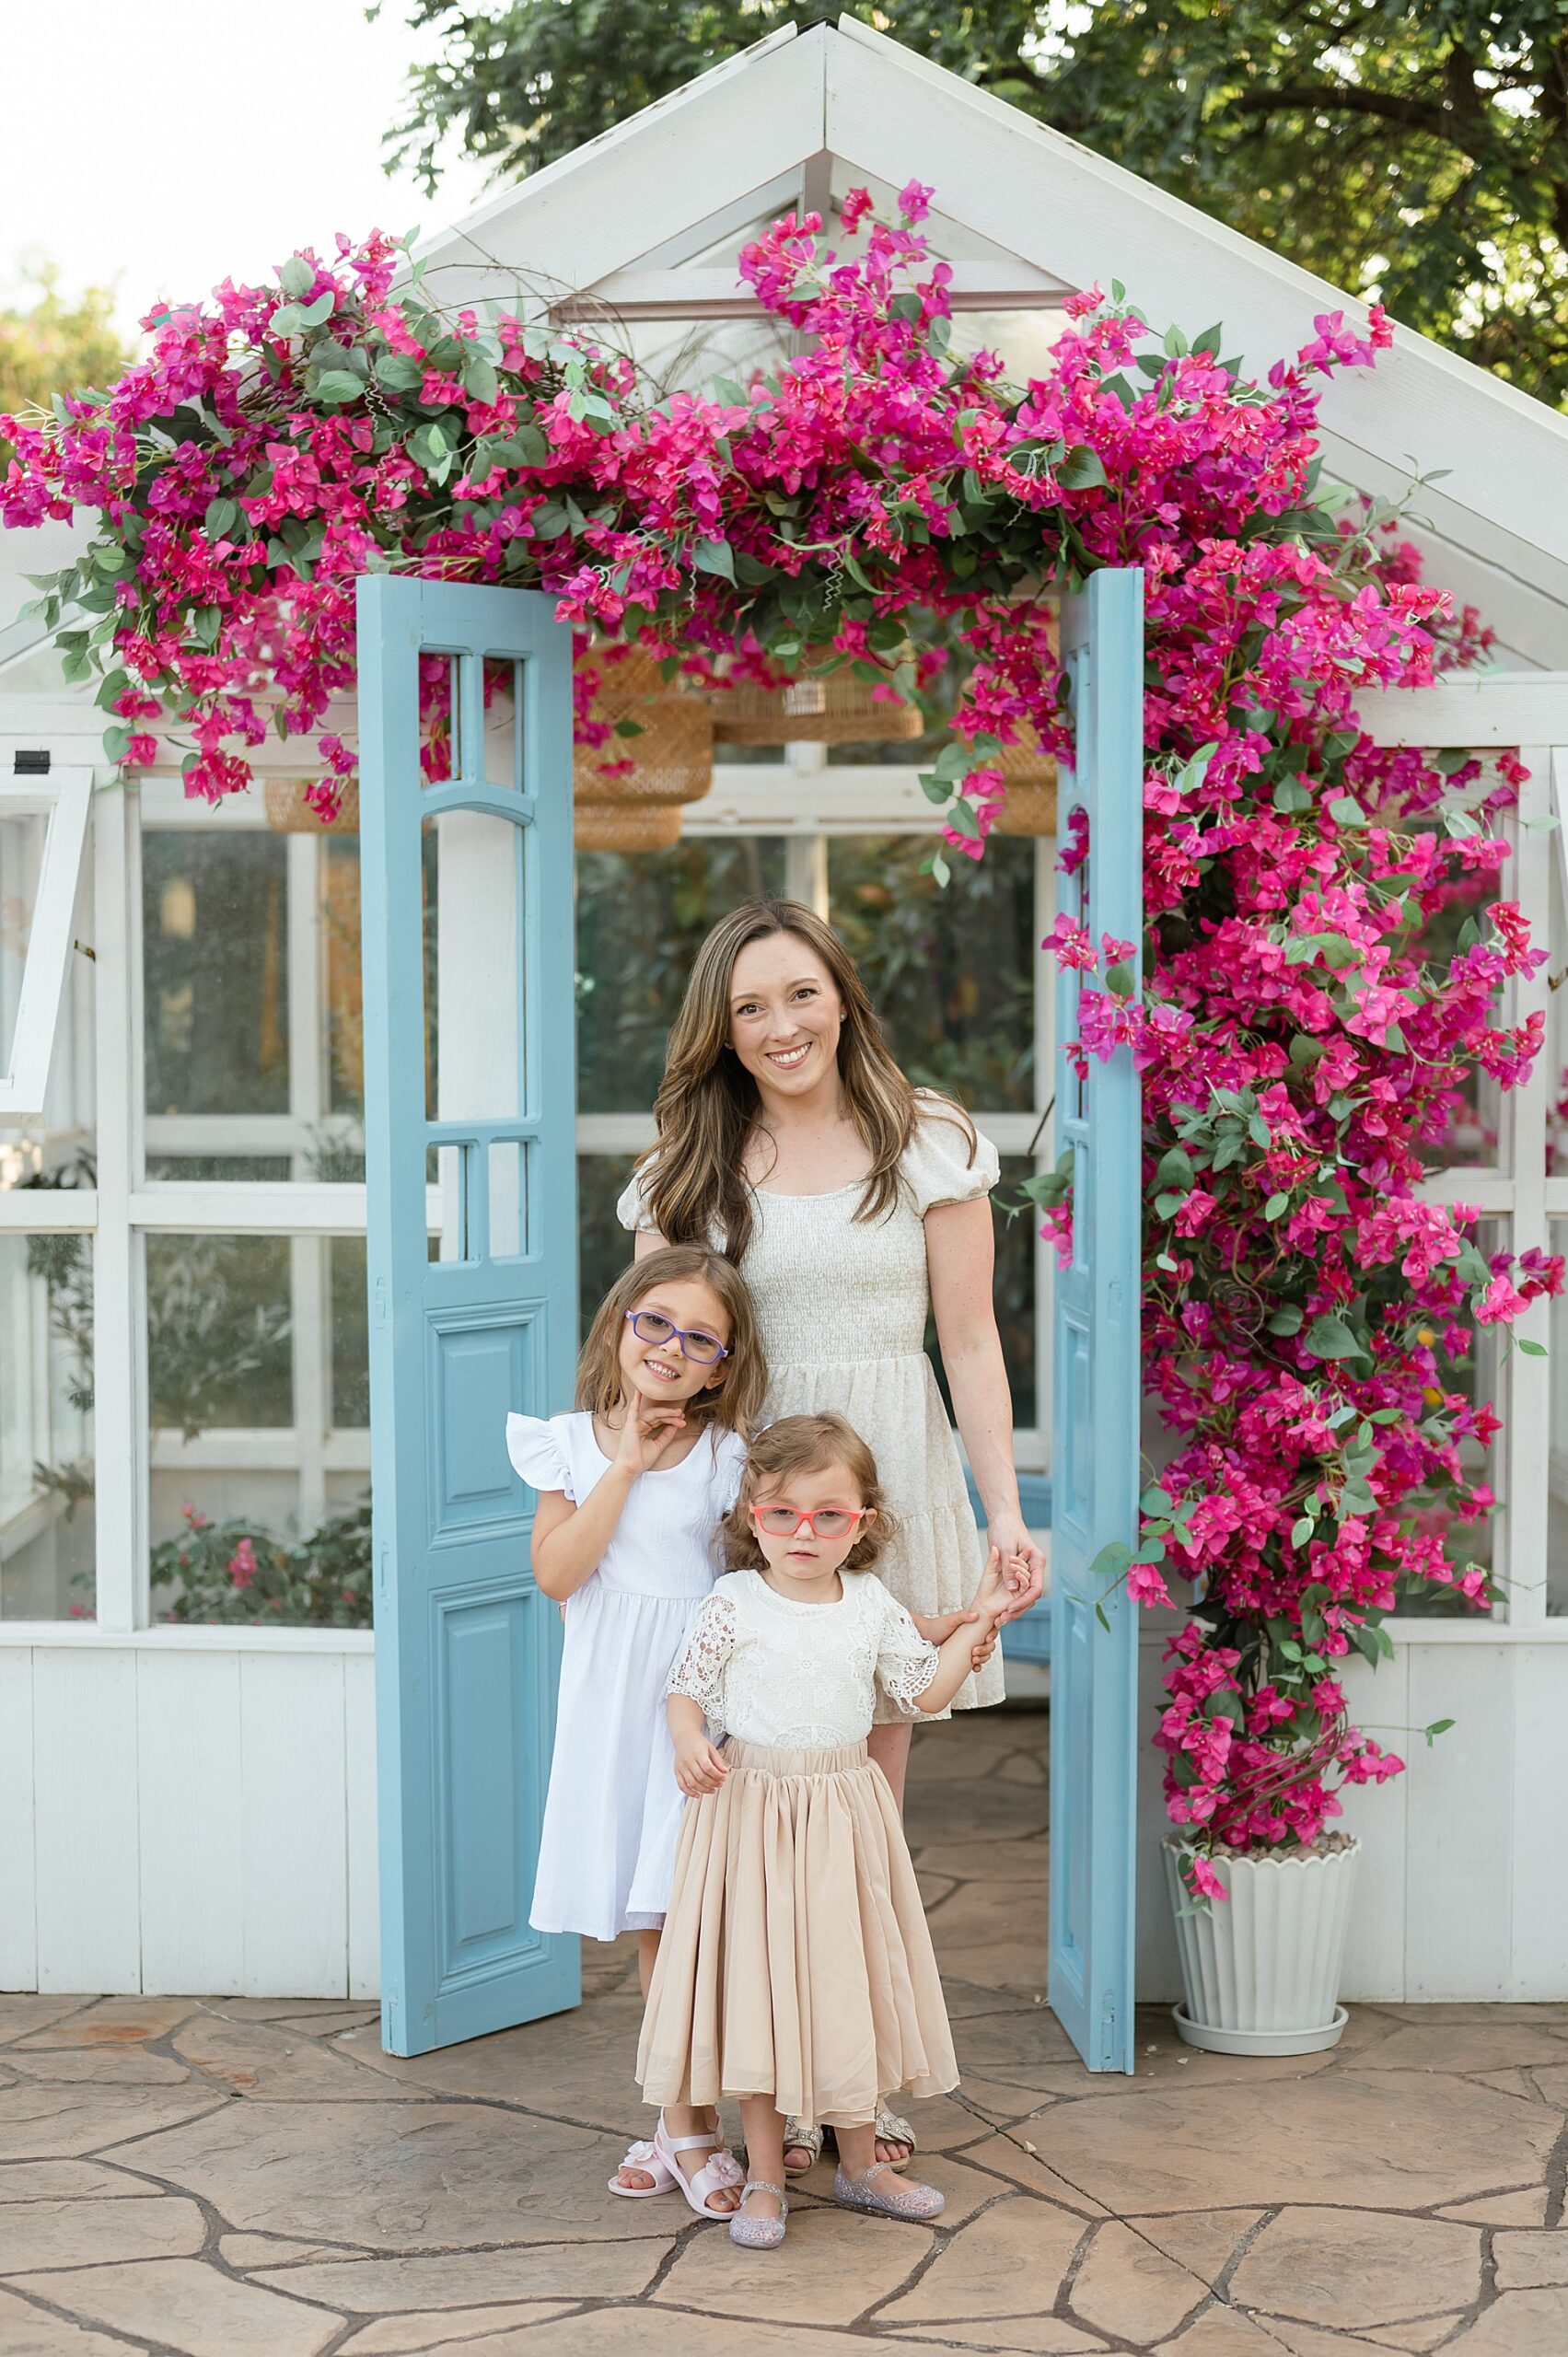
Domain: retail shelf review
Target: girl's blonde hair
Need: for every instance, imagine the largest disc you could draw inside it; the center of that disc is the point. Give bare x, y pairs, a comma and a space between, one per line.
737, 1398
695, 1184
805, 1445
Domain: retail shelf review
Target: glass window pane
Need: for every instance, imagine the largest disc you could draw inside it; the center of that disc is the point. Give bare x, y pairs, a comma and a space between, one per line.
23, 834
259, 1491
57, 1147
604, 1247
46, 1427
219, 1328
475, 1025
214, 957
350, 1334
1472, 1540
641, 918
1014, 1292
344, 1010
200, 1169
951, 973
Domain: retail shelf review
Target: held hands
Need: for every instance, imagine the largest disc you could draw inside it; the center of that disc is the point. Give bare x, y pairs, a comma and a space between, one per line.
1025, 1564
699, 1767
648, 1432
937, 1627
995, 1598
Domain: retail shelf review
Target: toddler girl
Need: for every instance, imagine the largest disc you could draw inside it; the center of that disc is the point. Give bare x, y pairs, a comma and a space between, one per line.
632, 1490
796, 1970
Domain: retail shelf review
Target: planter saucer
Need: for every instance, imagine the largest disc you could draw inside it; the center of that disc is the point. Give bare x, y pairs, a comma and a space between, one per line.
1260, 2041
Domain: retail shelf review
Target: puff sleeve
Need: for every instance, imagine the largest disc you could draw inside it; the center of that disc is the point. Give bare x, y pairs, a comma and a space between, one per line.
938, 1167
631, 1204
906, 1662
536, 1453
698, 1670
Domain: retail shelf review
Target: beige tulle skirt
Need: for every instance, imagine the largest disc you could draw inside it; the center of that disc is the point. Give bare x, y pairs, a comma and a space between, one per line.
795, 1960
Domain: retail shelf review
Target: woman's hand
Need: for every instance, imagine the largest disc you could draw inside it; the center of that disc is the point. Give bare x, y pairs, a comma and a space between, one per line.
699, 1766
1026, 1565
647, 1433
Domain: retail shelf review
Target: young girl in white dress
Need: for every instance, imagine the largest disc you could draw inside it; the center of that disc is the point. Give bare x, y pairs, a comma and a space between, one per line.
632, 1490
796, 1971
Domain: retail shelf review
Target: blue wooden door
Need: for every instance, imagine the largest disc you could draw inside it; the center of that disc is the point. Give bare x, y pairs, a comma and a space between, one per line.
470, 1090
1095, 1415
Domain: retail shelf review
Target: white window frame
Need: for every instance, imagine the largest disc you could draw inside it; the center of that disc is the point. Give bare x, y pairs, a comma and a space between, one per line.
62, 797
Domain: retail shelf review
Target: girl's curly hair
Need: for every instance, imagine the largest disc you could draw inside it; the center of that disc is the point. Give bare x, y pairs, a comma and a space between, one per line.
805, 1445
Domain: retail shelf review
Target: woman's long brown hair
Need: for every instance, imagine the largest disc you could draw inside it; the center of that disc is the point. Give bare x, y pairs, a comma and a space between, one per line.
695, 1187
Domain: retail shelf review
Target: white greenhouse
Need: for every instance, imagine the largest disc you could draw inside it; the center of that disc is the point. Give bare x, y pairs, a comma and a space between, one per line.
190, 1804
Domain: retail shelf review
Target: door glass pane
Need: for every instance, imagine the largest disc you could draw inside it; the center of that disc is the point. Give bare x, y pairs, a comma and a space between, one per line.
215, 953
258, 1440
57, 1147
641, 919
951, 973
23, 834
343, 1001
476, 1024
46, 1427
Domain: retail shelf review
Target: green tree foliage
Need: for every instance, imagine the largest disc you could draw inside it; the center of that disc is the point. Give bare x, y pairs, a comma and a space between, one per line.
48, 344
1417, 154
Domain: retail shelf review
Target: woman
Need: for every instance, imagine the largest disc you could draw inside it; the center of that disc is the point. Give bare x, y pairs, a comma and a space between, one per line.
852, 1203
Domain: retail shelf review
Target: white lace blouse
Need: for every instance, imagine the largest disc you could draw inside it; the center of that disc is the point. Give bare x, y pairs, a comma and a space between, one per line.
802, 1677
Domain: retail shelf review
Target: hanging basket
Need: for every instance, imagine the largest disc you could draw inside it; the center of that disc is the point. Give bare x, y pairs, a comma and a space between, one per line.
836, 709
625, 826
671, 760
288, 813
1031, 808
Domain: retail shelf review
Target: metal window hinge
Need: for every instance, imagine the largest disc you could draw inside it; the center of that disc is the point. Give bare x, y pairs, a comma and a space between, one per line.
29, 761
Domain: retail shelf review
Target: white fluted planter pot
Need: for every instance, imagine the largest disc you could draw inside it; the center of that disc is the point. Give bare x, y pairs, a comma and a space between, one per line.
1261, 1969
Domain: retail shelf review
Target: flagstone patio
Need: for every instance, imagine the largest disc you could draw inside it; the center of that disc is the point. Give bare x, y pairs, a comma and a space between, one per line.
233, 2177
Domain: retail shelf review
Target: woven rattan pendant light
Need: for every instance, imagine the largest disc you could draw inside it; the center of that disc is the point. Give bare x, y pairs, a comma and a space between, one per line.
669, 760
626, 826
288, 813
837, 708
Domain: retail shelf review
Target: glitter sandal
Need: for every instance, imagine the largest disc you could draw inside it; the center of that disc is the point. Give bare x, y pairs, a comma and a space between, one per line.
895, 2200
760, 2234
799, 2136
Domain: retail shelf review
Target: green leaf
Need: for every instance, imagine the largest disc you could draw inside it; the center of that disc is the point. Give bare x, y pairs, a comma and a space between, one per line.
936, 789
310, 315
1111, 1561
399, 371
714, 556
1437, 1727
940, 869
1081, 470
961, 816
1175, 1168
339, 385
1276, 1207
1330, 1337
297, 277
1156, 1501
1532, 1350
1286, 1320
1300, 1532
1120, 981
548, 523
1347, 811
478, 377
117, 741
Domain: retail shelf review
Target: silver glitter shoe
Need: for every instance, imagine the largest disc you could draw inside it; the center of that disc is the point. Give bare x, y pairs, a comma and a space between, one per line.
893, 2199
760, 2234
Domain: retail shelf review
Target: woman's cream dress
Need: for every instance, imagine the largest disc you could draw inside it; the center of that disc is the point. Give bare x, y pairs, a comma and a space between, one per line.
842, 1305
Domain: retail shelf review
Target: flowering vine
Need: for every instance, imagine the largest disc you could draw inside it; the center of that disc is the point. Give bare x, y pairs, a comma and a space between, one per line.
1309, 1018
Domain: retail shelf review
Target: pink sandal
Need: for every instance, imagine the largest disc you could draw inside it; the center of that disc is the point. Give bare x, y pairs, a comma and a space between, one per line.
715, 2177
644, 2155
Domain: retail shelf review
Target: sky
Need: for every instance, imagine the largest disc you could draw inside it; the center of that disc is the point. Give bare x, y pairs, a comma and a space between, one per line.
160, 145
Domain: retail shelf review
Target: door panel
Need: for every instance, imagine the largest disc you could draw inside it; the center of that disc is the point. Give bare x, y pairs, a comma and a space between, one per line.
1097, 1362
470, 1097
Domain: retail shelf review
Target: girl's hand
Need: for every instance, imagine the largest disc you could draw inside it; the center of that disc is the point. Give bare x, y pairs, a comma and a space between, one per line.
647, 1431
995, 1598
699, 1767
937, 1627
1026, 1575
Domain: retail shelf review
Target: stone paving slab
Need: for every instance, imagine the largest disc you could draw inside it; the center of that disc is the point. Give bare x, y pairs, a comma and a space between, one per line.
253, 2178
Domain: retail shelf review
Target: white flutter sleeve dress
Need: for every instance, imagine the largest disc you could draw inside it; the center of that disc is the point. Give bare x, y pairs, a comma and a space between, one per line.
612, 1815
843, 1307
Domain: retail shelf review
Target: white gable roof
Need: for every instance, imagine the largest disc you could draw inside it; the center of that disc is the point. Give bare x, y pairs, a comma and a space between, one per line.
764, 128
